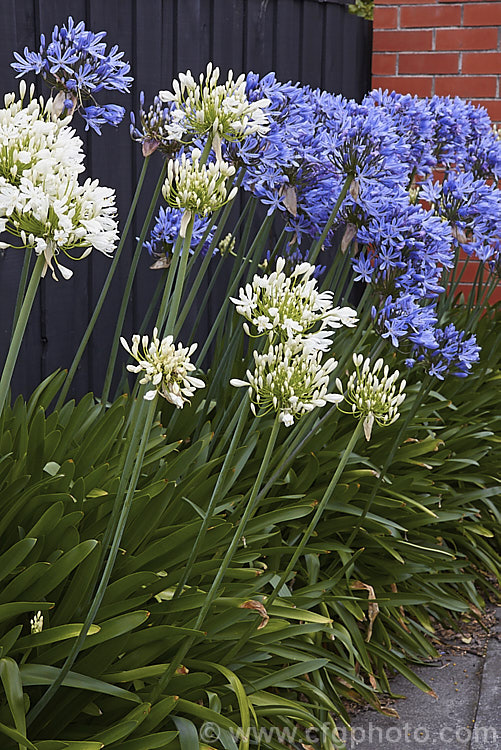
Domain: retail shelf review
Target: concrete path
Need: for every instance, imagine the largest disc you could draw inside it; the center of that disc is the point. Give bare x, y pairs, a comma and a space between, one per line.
465, 716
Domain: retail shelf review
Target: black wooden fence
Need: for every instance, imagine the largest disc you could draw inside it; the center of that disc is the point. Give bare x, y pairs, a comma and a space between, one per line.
313, 41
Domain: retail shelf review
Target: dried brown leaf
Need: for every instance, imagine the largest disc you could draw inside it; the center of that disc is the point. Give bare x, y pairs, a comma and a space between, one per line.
289, 198
373, 605
259, 607
162, 262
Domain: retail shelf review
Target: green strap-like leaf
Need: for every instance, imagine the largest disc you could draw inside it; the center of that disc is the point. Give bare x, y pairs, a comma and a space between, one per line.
69, 745
17, 737
202, 712
52, 635
188, 733
41, 674
15, 555
11, 679
14, 609
150, 741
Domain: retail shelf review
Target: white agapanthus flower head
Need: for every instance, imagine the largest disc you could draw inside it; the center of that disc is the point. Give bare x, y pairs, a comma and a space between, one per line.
197, 188
165, 366
289, 381
221, 110
41, 199
289, 306
373, 393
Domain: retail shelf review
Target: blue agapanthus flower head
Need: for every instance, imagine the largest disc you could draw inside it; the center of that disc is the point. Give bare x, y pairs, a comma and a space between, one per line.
77, 65
166, 230
454, 354
152, 129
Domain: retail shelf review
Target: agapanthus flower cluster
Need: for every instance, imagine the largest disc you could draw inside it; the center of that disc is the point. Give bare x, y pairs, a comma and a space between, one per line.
41, 200
413, 121
220, 110
298, 320
290, 381
451, 352
168, 368
407, 250
472, 209
75, 63
156, 131
166, 230
373, 393
289, 306
316, 142
196, 188
442, 351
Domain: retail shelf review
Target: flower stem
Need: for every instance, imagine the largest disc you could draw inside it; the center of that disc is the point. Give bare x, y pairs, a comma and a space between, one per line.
317, 246
104, 290
180, 279
22, 286
20, 327
214, 589
201, 275
128, 288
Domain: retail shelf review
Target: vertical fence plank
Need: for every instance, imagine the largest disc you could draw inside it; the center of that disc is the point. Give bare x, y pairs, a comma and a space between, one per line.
19, 29
312, 43
288, 33
228, 36
336, 53
259, 35
356, 58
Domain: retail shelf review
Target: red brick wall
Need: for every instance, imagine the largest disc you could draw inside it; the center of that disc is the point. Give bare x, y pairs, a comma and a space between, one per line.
444, 47
428, 47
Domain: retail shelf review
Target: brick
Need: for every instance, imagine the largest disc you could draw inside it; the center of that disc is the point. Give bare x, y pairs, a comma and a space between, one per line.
466, 86
481, 62
482, 14
495, 296
470, 270
457, 39
397, 41
419, 85
385, 18
384, 63
430, 16
403, 2
493, 107
466, 288
428, 62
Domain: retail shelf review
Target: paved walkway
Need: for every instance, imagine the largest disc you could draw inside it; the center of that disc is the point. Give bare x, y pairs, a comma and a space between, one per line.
465, 716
